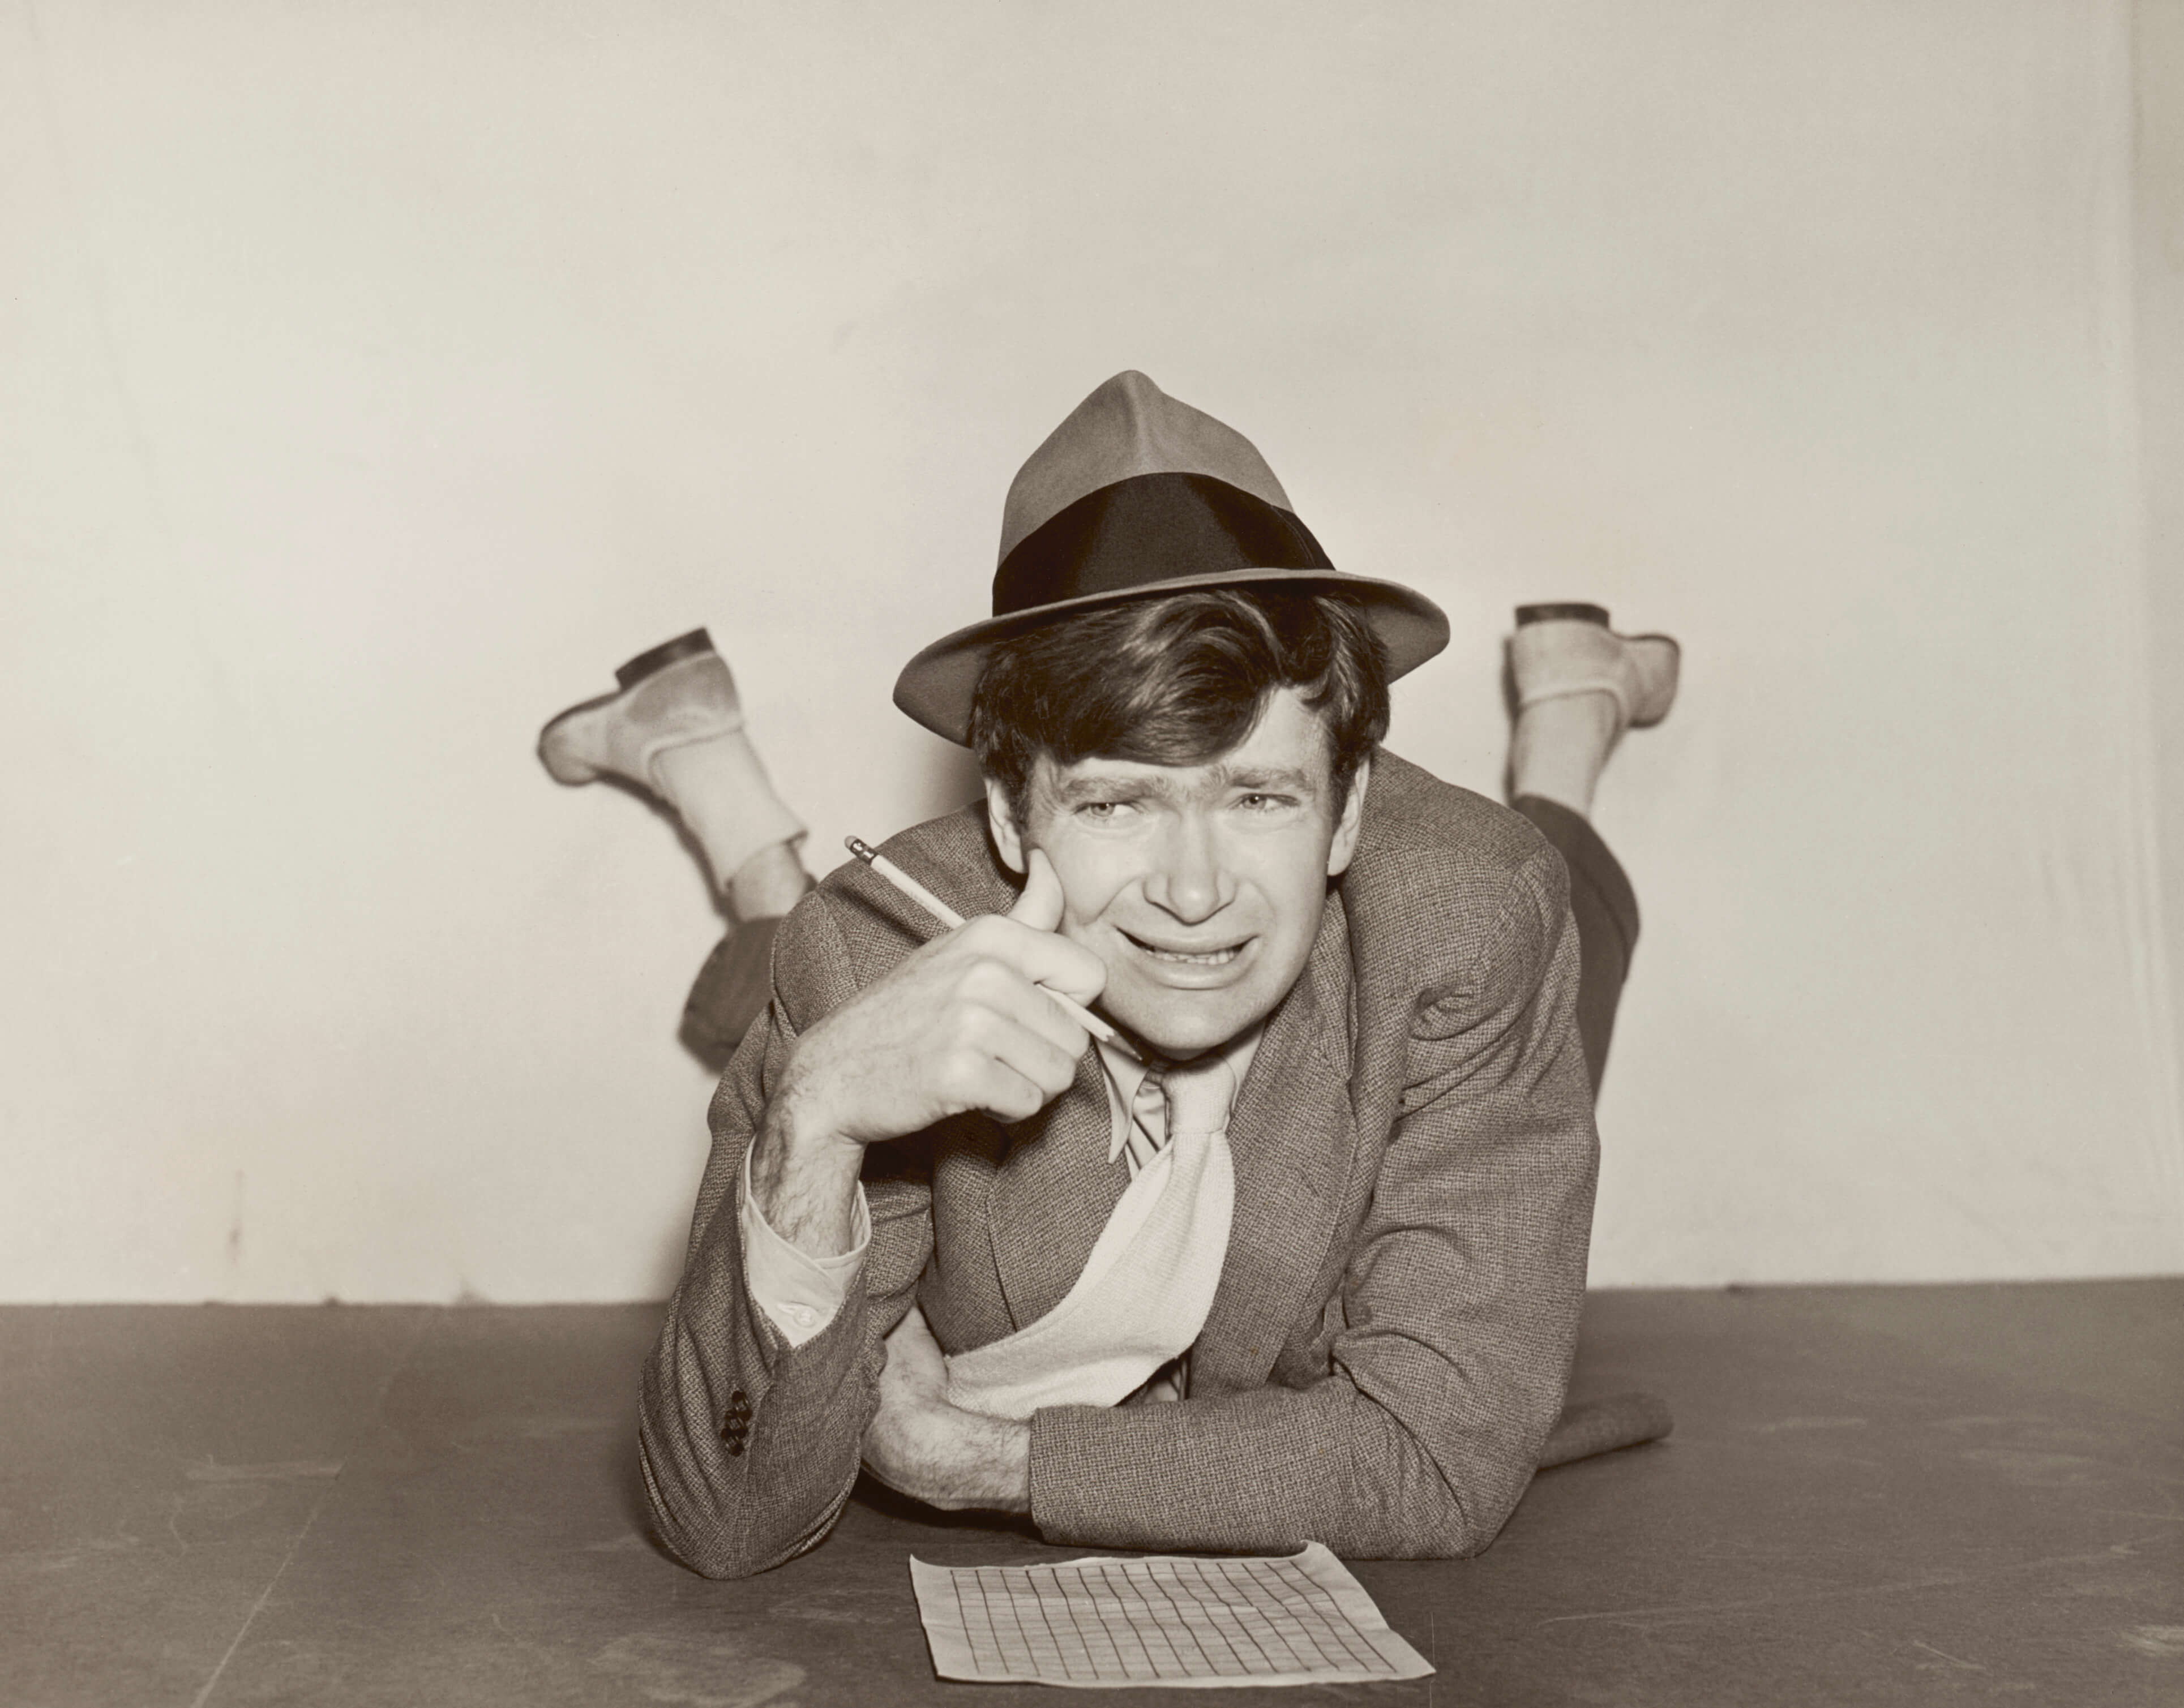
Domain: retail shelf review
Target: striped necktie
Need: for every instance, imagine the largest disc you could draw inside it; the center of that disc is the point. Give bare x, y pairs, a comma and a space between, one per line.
1173, 1100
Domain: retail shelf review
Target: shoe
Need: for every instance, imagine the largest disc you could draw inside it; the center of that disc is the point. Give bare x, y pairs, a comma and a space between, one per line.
675, 694
1561, 649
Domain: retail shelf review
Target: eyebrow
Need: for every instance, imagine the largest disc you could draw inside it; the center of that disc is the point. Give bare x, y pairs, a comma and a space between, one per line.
1082, 788
1287, 779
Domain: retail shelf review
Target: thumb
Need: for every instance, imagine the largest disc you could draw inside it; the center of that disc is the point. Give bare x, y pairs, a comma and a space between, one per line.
1040, 906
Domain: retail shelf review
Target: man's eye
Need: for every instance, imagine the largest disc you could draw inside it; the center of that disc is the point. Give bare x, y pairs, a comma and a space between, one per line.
1263, 802
1098, 811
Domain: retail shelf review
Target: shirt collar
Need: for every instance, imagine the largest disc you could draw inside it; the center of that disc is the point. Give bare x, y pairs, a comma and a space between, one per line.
1124, 1073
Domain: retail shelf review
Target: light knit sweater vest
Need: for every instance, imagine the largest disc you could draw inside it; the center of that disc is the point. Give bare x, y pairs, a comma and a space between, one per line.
1146, 1287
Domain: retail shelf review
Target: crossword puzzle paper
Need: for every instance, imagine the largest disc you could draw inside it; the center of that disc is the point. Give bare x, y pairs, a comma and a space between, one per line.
1171, 1619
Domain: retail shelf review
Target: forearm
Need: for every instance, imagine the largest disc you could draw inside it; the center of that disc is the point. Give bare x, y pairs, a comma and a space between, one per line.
1264, 1471
957, 1461
803, 1179
936, 1452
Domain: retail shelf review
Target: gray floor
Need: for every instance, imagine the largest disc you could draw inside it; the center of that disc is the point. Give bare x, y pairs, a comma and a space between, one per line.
1874, 1495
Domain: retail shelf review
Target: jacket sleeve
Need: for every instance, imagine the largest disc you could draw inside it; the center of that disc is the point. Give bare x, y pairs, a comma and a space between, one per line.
749, 1446
1416, 1432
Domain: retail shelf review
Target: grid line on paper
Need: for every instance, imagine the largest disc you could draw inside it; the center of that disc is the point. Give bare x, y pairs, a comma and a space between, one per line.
1053, 1608
1053, 1643
1273, 1626
1013, 1642
1297, 1617
1207, 1666
1168, 1619
1070, 1606
984, 1655
1225, 1624
1175, 1627
1110, 1598
1316, 1598
1326, 1614
1313, 1597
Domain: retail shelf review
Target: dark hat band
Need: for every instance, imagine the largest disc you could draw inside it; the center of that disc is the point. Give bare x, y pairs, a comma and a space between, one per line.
1148, 529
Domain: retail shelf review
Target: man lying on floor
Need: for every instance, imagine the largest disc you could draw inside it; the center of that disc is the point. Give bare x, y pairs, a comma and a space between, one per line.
1300, 1254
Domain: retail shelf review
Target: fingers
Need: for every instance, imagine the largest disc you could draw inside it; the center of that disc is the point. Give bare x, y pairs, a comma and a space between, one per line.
1039, 957
993, 985
997, 1064
1040, 906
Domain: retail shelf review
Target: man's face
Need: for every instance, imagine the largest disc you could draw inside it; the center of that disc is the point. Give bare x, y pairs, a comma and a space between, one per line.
1200, 887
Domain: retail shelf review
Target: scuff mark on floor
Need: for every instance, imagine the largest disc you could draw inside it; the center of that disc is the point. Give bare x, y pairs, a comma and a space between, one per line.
278, 1471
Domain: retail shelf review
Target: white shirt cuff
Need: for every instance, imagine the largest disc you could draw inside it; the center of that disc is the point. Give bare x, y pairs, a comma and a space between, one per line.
801, 1293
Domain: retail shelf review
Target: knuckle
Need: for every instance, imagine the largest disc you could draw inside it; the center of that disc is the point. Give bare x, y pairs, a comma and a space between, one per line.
966, 1024
1058, 1078
983, 933
960, 1068
984, 978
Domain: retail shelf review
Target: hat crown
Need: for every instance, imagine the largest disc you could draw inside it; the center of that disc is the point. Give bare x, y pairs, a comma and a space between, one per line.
1127, 427
1136, 495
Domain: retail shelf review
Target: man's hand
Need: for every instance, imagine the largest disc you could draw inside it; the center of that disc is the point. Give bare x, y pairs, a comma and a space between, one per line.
960, 1025
920, 1445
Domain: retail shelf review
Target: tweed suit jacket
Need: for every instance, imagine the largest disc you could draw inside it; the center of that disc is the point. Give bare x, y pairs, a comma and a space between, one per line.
1389, 1345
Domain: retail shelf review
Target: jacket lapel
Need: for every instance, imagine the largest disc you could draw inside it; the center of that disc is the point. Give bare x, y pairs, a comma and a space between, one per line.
1293, 1136
1054, 1193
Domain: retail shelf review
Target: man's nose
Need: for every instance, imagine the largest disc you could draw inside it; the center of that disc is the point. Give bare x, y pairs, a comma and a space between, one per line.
1188, 879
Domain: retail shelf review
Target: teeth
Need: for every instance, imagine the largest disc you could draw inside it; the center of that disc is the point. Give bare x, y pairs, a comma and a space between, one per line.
1219, 957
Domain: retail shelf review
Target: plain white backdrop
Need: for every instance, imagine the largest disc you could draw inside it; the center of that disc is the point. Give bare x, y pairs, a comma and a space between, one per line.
374, 380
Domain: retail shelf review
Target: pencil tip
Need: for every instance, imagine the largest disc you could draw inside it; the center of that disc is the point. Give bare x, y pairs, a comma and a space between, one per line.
859, 847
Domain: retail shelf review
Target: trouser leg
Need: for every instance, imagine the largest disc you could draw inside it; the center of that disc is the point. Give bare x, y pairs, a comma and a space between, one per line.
732, 990
1606, 909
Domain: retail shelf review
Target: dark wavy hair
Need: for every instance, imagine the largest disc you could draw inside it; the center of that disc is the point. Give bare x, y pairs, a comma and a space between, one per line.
1178, 680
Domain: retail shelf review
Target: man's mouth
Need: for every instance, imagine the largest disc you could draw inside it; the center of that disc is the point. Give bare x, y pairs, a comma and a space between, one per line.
1179, 956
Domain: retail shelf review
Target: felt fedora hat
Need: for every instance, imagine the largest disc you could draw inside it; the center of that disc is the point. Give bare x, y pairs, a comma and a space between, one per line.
1136, 495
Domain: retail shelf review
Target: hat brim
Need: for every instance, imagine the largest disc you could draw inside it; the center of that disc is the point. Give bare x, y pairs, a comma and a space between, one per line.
936, 687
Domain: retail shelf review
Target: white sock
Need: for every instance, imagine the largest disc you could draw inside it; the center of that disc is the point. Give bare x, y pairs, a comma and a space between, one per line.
1561, 745
723, 796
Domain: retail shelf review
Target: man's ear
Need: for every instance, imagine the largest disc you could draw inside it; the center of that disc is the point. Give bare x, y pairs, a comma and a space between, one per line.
1353, 815
1002, 822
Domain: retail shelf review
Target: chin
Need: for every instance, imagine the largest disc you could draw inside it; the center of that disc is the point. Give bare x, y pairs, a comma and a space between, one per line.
1180, 1028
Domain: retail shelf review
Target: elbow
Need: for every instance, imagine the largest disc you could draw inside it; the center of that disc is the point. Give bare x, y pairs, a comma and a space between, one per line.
695, 1532
715, 1556
1437, 1530
719, 1536
715, 1545
1406, 1505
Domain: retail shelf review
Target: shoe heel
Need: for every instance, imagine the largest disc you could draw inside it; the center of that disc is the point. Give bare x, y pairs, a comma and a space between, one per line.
693, 645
